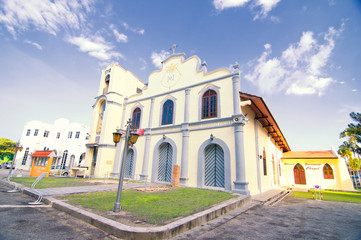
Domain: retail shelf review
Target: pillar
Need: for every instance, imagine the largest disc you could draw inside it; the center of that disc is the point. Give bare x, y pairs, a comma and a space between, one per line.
147, 133
118, 149
240, 185
185, 141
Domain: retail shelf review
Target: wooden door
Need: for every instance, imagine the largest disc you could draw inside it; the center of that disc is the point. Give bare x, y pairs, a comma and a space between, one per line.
299, 172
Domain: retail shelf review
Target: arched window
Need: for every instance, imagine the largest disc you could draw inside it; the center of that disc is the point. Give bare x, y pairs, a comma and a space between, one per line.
101, 115
136, 118
107, 80
327, 172
209, 104
25, 156
65, 156
264, 163
167, 117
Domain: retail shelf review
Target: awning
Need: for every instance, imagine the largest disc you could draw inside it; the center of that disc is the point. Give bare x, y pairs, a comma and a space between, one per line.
264, 116
43, 154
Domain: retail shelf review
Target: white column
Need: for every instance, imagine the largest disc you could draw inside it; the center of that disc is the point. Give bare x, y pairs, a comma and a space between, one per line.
185, 141
147, 133
118, 149
240, 185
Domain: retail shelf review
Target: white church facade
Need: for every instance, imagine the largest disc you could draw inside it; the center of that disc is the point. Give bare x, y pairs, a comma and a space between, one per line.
221, 137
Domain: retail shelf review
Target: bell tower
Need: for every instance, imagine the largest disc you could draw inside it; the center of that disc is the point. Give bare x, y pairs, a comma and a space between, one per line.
116, 85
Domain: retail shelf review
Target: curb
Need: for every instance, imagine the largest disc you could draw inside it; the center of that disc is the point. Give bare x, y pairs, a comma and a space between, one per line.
163, 232
123, 231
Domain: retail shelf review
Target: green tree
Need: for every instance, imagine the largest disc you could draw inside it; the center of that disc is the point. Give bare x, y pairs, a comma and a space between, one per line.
345, 150
6, 146
353, 133
351, 149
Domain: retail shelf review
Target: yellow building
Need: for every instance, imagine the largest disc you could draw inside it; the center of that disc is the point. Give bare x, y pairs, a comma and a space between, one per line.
305, 169
220, 137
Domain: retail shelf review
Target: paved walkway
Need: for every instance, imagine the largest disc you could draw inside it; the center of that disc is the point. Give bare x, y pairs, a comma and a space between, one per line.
292, 218
231, 208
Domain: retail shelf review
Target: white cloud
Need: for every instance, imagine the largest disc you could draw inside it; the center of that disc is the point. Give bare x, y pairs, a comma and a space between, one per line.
222, 4
143, 64
157, 58
300, 68
95, 46
37, 45
120, 37
48, 16
134, 30
354, 90
261, 7
265, 7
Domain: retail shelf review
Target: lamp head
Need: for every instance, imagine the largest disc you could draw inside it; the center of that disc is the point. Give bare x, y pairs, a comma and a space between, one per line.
116, 137
133, 138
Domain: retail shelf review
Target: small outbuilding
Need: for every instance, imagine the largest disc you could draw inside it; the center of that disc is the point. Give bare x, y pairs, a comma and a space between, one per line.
41, 163
305, 169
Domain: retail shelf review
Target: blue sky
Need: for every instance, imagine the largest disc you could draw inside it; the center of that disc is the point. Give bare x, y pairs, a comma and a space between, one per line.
302, 56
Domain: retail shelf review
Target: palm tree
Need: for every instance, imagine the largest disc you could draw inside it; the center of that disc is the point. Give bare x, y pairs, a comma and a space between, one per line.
353, 132
350, 149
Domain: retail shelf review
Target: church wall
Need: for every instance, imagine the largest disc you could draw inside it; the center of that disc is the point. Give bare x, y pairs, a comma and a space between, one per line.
250, 151
187, 78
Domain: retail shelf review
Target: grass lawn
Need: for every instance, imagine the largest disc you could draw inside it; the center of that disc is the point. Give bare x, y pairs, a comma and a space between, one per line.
332, 196
49, 182
154, 207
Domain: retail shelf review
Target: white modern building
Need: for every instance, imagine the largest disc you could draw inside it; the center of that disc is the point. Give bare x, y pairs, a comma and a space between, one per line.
220, 137
66, 139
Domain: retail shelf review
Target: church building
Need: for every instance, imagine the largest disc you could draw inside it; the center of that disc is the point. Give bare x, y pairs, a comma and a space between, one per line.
220, 137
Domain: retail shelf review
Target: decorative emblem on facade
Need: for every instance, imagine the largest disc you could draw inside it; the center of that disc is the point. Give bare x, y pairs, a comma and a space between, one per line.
171, 75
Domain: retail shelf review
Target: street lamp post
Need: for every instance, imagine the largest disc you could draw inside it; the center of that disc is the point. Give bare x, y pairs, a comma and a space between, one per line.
17, 148
130, 139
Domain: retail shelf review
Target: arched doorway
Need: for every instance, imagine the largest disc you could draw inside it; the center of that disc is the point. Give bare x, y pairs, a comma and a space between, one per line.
72, 159
82, 157
214, 166
165, 163
299, 172
129, 164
